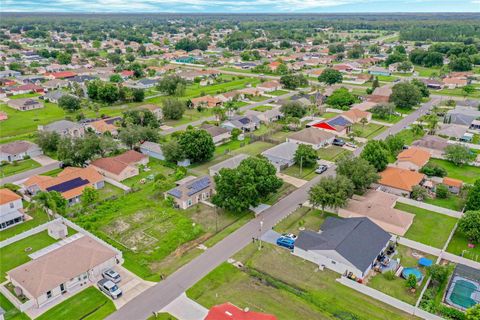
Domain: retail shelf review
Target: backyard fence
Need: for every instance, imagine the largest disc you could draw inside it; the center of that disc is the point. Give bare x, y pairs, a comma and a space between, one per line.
19, 305
419, 246
28, 233
426, 206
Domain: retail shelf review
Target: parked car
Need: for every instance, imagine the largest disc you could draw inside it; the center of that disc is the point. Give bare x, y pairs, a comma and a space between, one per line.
109, 288
321, 169
286, 242
338, 142
350, 144
290, 236
112, 275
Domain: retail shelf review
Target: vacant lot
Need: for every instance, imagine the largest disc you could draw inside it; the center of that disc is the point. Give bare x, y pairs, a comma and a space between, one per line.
303, 217
453, 202
428, 227
331, 153
89, 304
262, 108
369, 130
467, 174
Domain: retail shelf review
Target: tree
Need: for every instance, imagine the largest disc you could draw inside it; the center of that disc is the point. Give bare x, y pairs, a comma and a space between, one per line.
376, 154
69, 103
51, 201
438, 273
241, 188
405, 95
359, 171
140, 117
171, 85
293, 109
356, 52
469, 224
411, 282
293, 81
116, 78
459, 154
468, 89
129, 136
341, 99
473, 197
48, 141
89, 196
172, 151
173, 109
473, 313
332, 192
422, 87
441, 191
395, 57
432, 123
305, 156
138, 94
383, 111
330, 76
197, 144
394, 144
64, 58
419, 193
460, 64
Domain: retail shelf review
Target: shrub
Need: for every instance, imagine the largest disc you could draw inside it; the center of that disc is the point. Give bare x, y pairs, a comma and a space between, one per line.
434, 170
450, 313
441, 191
411, 282
389, 275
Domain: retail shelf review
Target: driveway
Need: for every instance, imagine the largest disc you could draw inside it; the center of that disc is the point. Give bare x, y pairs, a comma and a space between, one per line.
184, 308
131, 285
27, 174
296, 182
44, 160
270, 236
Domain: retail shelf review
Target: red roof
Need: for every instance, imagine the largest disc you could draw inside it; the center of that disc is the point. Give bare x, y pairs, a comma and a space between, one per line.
27, 87
127, 73
324, 125
61, 74
228, 311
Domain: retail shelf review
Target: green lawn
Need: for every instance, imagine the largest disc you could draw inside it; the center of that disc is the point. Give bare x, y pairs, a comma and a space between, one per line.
303, 217
391, 119
52, 173
284, 190
257, 98
20, 166
11, 313
236, 70
369, 130
14, 254
453, 202
89, 304
329, 115
467, 174
278, 93
331, 153
109, 190
39, 217
262, 108
459, 246
426, 72
428, 227
25, 95
162, 316
156, 166
458, 92
305, 173
190, 115
265, 286
408, 136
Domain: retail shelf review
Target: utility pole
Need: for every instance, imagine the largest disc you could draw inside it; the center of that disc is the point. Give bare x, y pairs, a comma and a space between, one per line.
260, 235
301, 163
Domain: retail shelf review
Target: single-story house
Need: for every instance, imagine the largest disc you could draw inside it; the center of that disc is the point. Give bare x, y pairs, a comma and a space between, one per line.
313, 137
246, 123
60, 75
433, 144
453, 185
379, 71
152, 149
121, 167
394, 68
105, 125
231, 163
281, 156
343, 245
67, 268
412, 158
455, 82
219, 134
25, 104
456, 131
54, 96
399, 181
433, 84
11, 209
230, 96
55, 84
190, 191
379, 206
70, 183
228, 311
156, 110
9, 73
462, 115
64, 128
269, 86
18, 150
26, 88
381, 94
339, 125
356, 115
206, 101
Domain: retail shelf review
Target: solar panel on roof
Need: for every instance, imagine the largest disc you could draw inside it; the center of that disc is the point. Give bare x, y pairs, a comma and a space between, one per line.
244, 120
68, 185
175, 192
339, 121
198, 185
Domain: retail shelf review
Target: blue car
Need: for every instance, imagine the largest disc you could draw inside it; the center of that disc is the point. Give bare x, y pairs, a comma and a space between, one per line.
286, 242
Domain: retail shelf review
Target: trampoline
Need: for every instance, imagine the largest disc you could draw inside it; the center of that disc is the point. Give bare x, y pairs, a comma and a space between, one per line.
424, 262
463, 293
408, 271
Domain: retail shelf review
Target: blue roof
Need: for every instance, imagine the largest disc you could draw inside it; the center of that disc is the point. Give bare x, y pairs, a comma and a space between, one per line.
339, 121
68, 185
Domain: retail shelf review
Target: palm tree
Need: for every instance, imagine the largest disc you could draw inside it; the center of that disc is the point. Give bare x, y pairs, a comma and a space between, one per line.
43, 202
417, 129
432, 123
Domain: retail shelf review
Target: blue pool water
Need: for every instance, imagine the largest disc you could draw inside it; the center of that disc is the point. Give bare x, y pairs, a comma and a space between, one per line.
408, 271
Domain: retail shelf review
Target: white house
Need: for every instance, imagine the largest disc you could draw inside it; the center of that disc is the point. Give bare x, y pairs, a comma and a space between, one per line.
11, 209
18, 150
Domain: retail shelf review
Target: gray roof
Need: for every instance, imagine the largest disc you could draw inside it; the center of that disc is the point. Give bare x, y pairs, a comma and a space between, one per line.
452, 130
231, 163
462, 115
152, 147
55, 95
59, 126
284, 150
358, 240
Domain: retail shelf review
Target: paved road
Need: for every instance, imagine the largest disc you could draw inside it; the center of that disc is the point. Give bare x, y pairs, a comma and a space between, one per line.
29, 173
245, 108
166, 291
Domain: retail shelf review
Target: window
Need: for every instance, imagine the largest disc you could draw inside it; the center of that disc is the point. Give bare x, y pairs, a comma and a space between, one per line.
333, 262
189, 202
49, 294
12, 205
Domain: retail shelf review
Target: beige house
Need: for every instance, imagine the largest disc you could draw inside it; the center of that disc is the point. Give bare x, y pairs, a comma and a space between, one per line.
120, 167
67, 268
312, 137
190, 191
413, 158
25, 104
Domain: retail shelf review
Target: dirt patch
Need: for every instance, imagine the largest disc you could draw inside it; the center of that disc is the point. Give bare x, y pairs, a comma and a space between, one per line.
138, 240
117, 226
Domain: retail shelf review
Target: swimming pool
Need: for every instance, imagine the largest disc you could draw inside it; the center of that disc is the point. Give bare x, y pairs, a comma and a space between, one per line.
408, 271
463, 293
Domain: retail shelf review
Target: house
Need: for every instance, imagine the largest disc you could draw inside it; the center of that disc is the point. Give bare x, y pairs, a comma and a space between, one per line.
231, 163
121, 167
206, 101
455, 131
274, 65
64, 128
246, 123
70, 183
455, 82
312, 137
462, 115
153, 108
453, 185
9, 74
412, 158
433, 84
281, 156
379, 206
26, 88
269, 86
146, 83
65, 268
379, 71
356, 115
105, 125
343, 245
152, 149
190, 191
338, 125
60, 75
399, 181
25, 104
230, 96
228, 311
381, 94
18, 150
219, 134
394, 68
55, 84
11, 209
54, 96
363, 106
433, 144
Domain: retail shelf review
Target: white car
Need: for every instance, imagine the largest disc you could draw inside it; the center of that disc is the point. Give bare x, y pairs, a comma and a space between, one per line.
109, 288
290, 236
112, 275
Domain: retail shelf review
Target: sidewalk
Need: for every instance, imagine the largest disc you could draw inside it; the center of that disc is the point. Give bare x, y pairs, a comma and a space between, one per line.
296, 182
184, 308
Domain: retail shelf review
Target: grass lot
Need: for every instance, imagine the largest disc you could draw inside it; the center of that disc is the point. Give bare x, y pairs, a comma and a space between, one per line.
14, 254
258, 98
458, 92
369, 130
236, 70
306, 173
386, 78
329, 115
89, 304
20, 166
162, 316
426, 72
52, 173
408, 136
331, 153
467, 174
428, 227
278, 93
189, 116
155, 167
25, 95
264, 286
109, 190
391, 119
307, 218
11, 313
453, 202
396, 288
459, 243
39, 217
284, 190
262, 108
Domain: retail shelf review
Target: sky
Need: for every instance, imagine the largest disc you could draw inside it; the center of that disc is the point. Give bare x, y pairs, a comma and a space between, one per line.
240, 6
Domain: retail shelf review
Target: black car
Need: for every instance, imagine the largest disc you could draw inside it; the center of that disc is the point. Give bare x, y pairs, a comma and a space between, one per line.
338, 142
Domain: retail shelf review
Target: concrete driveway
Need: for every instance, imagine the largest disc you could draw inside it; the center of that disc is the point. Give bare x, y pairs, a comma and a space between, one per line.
184, 308
44, 160
270, 236
296, 182
131, 285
